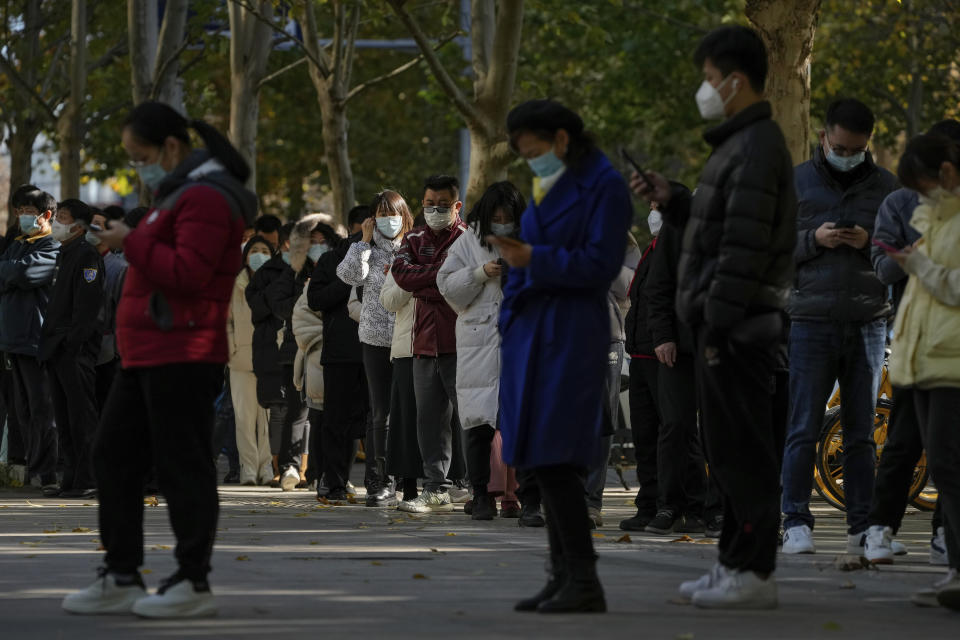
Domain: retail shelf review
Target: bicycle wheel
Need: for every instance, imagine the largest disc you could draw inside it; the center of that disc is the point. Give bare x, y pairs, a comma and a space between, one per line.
923, 495
828, 466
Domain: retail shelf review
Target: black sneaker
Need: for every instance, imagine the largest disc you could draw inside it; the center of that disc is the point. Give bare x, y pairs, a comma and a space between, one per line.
484, 507
82, 494
690, 524
232, 477
662, 523
638, 522
336, 495
714, 527
530, 516
382, 497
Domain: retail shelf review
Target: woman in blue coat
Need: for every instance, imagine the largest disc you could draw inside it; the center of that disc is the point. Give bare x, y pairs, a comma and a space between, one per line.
556, 333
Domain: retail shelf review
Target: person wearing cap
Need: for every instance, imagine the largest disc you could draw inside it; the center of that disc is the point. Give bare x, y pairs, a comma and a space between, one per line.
555, 328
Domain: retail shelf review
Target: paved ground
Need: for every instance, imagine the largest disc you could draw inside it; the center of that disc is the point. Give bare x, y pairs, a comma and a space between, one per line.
284, 564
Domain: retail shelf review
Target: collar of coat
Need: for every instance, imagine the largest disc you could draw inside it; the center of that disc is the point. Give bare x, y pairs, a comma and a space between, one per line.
581, 177
754, 113
32, 239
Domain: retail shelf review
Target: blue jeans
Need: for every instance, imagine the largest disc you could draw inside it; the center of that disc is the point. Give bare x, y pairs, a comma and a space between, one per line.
821, 353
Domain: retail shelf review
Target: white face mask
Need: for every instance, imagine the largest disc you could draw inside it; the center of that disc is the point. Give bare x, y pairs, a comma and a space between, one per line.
437, 218
60, 231
655, 222
709, 101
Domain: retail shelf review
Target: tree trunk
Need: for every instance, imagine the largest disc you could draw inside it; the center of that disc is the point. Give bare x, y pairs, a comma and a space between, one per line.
70, 125
166, 71
20, 144
788, 28
250, 46
335, 148
142, 32
489, 159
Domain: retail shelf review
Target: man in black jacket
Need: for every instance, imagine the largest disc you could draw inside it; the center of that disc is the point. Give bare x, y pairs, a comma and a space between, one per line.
838, 322
26, 271
70, 343
734, 279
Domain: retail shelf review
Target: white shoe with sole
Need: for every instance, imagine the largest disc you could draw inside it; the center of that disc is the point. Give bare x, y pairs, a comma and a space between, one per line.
938, 549
704, 582
798, 539
856, 543
738, 590
458, 495
290, 479
878, 546
931, 597
105, 596
177, 598
427, 502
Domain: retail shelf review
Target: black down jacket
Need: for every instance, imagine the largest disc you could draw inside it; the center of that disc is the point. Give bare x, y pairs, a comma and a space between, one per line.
266, 329
737, 258
837, 284
327, 293
661, 293
635, 326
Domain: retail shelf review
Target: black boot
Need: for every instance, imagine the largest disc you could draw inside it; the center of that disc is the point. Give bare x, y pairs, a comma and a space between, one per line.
530, 515
484, 505
582, 591
556, 577
381, 494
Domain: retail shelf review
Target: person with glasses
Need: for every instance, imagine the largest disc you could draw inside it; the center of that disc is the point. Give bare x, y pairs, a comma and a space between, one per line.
838, 312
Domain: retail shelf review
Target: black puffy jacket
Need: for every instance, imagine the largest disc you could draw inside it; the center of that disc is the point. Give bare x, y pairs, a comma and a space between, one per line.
26, 272
635, 326
327, 293
73, 323
661, 293
837, 284
737, 258
282, 295
266, 327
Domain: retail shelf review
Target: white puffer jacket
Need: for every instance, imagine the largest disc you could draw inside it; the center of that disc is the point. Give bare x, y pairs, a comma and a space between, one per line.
308, 332
366, 265
476, 298
401, 302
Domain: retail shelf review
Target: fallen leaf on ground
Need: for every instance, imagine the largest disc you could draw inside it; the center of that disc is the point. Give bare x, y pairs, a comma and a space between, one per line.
352, 499
160, 547
434, 550
300, 515
599, 535
151, 501
243, 558
853, 563
451, 533
848, 585
145, 571
314, 542
419, 576
323, 500
276, 503
51, 530
625, 538
705, 541
683, 538
377, 563
81, 530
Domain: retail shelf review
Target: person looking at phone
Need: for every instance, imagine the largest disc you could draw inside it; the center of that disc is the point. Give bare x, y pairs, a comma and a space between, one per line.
838, 313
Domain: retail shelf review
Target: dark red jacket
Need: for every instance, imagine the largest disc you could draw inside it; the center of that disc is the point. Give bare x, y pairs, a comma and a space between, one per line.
415, 270
183, 264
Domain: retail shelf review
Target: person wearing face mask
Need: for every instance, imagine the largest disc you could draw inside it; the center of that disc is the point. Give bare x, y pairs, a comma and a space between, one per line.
434, 341
266, 352
734, 277
555, 323
172, 338
471, 281
366, 265
114, 271
70, 341
838, 325
253, 437
27, 269
924, 360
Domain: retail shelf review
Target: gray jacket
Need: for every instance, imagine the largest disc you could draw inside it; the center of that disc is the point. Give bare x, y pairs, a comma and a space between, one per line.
893, 228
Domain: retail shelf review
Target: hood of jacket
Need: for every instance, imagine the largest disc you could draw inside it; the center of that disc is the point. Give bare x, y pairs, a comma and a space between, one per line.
200, 167
300, 238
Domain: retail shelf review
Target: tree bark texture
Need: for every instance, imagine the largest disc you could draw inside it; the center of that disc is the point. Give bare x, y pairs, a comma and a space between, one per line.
70, 123
788, 28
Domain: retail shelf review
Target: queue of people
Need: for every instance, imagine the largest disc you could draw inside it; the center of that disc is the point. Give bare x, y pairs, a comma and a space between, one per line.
477, 355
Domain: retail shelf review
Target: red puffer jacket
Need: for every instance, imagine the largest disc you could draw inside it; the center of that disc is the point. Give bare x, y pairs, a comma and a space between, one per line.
183, 263
415, 270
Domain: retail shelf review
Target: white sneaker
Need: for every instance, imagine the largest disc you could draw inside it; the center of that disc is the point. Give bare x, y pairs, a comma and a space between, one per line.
179, 599
899, 549
704, 582
738, 590
427, 502
938, 548
105, 596
878, 546
856, 543
798, 539
930, 597
290, 479
458, 495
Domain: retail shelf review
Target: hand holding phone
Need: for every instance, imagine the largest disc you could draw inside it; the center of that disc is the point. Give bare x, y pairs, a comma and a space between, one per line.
845, 224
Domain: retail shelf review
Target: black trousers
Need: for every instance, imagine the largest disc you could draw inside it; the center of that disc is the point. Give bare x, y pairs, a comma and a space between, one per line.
344, 419
16, 453
568, 528
105, 375
379, 372
31, 390
73, 391
899, 458
937, 411
645, 429
744, 442
315, 467
403, 449
288, 424
528, 489
164, 413
479, 443
681, 474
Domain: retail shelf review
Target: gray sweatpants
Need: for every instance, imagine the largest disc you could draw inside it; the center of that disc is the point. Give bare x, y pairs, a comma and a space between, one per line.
435, 386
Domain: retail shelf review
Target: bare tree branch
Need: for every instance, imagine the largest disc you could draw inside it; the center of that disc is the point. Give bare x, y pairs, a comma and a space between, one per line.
466, 108
116, 51
351, 39
157, 86
502, 74
26, 88
314, 54
363, 86
281, 71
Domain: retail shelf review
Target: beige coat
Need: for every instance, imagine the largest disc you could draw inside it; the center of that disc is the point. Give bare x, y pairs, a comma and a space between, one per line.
401, 302
240, 326
926, 338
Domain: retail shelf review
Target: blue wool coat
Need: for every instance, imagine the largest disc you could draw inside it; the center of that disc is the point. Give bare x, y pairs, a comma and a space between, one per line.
555, 320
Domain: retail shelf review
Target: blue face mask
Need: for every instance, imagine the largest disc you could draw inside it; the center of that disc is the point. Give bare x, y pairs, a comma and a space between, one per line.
152, 175
317, 250
845, 163
28, 224
545, 165
502, 229
390, 226
286, 256
257, 260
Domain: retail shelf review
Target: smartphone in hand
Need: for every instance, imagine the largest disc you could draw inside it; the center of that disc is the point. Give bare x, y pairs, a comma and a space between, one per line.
633, 163
845, 224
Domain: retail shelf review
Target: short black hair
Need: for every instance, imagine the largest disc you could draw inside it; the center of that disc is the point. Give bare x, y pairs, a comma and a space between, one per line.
923, 157
19, 196
134, 216
358, 214
284, 232
268, 223
499, 195
946, 129
113, 212
80, 210
40, 200
543, 118
442, 183
850, 114
735, 48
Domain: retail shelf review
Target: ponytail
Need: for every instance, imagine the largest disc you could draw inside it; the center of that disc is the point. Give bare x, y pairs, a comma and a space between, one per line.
153, 122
